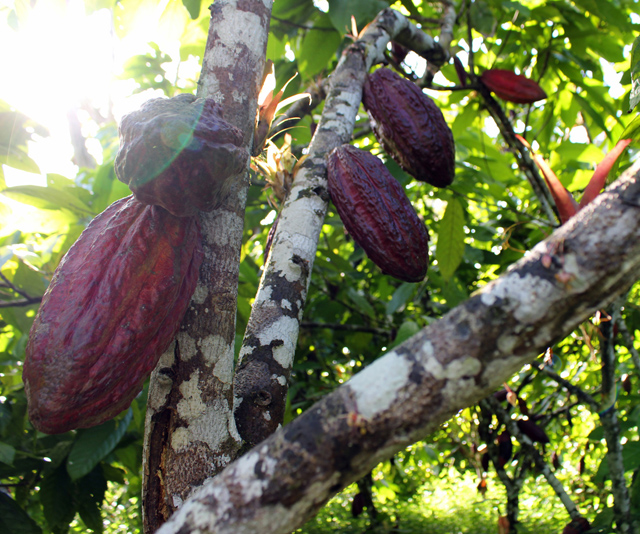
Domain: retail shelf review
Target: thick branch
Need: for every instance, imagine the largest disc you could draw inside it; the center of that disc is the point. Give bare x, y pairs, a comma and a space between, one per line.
270, 340
450, 364
190, 430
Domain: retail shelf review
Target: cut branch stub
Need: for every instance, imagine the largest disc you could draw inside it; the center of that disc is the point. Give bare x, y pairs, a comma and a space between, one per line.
410, 126
113, 306
179, 153
377, 213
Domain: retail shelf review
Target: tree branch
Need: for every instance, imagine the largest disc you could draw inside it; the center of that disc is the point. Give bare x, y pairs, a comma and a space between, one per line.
266, 356
190, 430
452, 363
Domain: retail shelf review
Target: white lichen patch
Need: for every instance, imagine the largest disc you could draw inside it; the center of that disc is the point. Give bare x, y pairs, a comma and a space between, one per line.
221, 227
210, 428
286, 304
215, 350
200, 294
506, 343
191, 405
285, 329
376, 387
281, 379
528, 297
187, 346
266, 416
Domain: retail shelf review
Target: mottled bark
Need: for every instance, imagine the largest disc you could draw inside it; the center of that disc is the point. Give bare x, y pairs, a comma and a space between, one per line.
411, 390
270, 340
190, 430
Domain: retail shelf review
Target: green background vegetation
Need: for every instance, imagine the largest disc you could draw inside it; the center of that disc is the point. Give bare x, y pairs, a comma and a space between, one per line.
489, 218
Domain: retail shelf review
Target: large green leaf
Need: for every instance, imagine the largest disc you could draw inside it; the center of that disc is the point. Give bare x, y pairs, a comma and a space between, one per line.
400, 297
55, 491
94, 444
341, 11
317, 47
13, 519
90, 494
450, 247
193, 7
7, 453
48, 198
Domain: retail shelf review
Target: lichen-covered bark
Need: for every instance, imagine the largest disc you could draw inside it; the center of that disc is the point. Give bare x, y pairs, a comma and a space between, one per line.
270, 340
450, 364
190, 430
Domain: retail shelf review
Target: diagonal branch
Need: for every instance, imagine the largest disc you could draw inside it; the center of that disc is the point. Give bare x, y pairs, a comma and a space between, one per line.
411, 390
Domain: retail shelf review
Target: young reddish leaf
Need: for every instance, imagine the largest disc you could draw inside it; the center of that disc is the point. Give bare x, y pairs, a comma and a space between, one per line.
566, 204
599, 178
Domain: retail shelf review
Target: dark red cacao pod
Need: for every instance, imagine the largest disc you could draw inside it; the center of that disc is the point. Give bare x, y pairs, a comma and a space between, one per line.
532, 431
410, 126
505, 448
376, 212
179, 153
577, 526
512, 87
113, 306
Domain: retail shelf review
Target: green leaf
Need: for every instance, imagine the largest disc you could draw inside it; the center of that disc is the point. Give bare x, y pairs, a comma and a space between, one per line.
482, 18
7, 453
632, 131
407, 329
340, 12
193, 7
450, 248
634, 97
54, 494
13, 519
400, 297
361, 302
47, 198
93, 444
90, 494
317, 48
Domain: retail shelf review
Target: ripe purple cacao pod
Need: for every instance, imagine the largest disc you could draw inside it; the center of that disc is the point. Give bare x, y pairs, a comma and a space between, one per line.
376, 212
512, 87
532, 431
113, 306
410, 126
179, 153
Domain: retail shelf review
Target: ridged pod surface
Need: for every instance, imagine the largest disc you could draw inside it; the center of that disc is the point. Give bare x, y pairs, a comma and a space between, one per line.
113, 306
512, 87
376, 212
179, 153
410, 126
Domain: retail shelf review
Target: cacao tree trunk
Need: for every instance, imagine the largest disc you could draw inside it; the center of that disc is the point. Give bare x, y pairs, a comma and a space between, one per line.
411, 390
190, 429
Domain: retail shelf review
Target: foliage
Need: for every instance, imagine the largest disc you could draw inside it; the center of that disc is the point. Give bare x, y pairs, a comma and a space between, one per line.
487, 220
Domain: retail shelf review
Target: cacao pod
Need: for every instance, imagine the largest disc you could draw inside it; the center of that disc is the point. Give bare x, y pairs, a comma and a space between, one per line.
532, 431
410, 126
505, 448
512, 87
113, 306
179, 153
579, 525
376, 212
